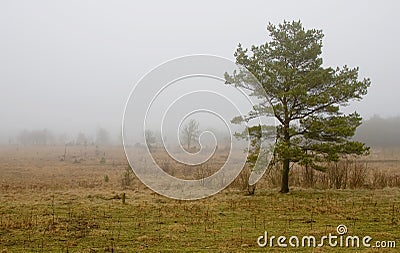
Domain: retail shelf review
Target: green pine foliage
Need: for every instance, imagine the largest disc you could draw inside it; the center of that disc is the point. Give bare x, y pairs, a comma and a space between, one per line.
304, 96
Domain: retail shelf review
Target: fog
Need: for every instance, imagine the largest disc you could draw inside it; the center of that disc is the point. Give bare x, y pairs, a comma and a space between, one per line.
380, 132
69, 66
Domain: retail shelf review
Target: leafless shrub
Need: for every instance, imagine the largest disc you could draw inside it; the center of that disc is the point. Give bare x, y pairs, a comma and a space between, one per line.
165, 166
394, 181
357, 175
308, 177
379, 180
274, 176
322, 180
337, 174
242, 181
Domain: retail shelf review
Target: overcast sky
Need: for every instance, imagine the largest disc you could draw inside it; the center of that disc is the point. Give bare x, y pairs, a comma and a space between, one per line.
70, 65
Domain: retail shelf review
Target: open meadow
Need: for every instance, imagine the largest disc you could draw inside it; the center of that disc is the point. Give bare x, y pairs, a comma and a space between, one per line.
83, 199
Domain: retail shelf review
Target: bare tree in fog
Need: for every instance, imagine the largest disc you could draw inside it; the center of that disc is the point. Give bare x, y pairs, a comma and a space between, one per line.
81, 139
150, 138
190, 133
102, 137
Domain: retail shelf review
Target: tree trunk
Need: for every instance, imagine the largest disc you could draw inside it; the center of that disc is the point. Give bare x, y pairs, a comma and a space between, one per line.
286, 159
285, 176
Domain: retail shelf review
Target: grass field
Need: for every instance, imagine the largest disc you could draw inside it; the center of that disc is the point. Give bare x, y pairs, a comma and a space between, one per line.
51, 202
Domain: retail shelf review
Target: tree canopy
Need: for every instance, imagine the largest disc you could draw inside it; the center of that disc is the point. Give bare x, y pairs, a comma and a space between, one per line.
304, 96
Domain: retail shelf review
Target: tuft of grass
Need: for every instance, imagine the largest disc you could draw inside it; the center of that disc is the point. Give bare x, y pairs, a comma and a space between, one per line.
106, 179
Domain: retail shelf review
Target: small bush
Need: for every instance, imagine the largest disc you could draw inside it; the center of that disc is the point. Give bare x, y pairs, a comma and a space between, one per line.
127, 177
379, 180
357, 175
337, 174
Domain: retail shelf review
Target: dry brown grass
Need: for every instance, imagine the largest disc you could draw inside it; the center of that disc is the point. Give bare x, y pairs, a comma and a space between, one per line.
43, 168
48, 204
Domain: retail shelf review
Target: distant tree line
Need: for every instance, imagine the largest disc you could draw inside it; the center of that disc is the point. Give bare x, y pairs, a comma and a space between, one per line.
380, 132
35, 137
43, 137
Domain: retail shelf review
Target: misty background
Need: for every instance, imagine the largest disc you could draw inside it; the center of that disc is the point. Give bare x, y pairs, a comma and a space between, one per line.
67, 67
